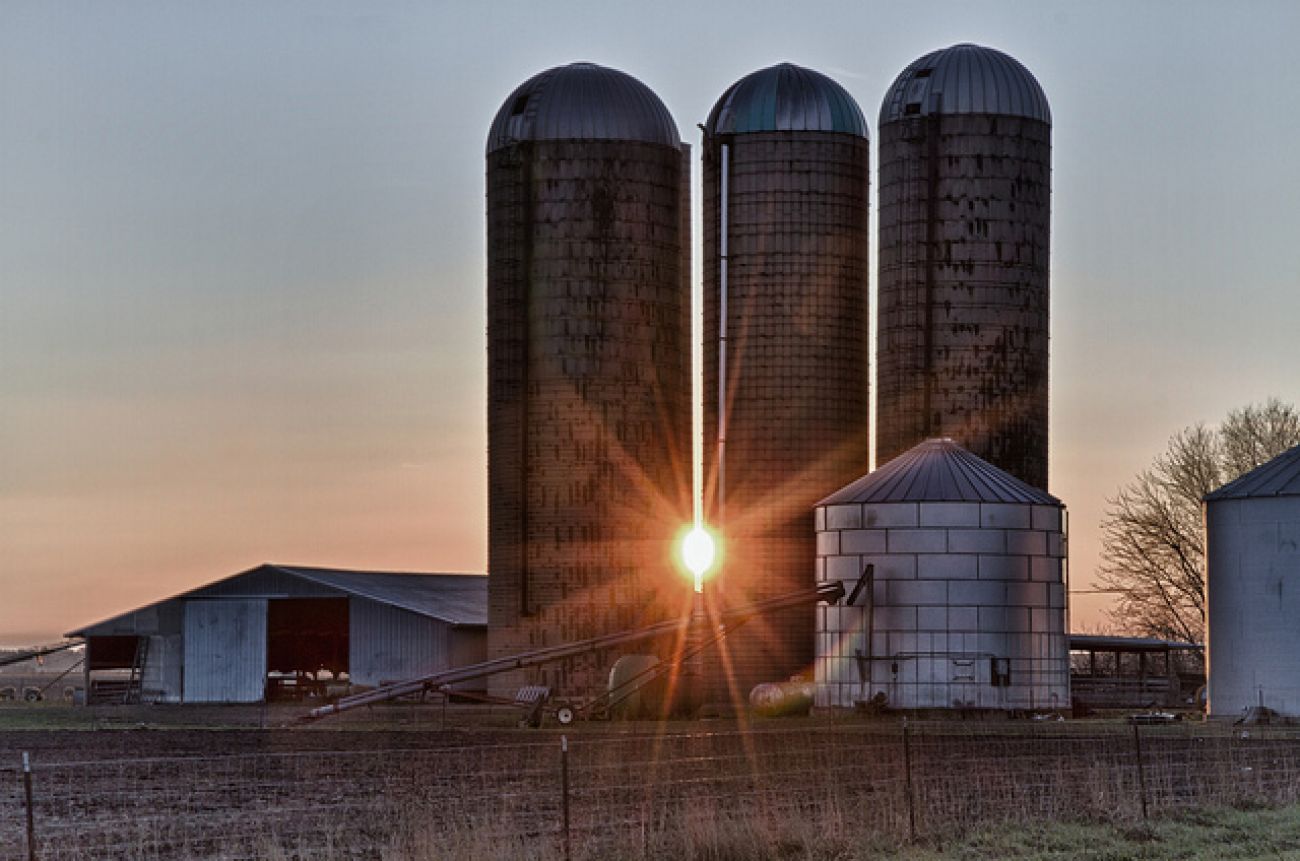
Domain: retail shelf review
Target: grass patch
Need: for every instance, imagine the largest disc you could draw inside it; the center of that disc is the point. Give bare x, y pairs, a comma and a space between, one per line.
43, 716
1202, 835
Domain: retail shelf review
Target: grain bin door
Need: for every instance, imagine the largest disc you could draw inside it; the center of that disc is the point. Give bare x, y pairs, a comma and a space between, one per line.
225, 651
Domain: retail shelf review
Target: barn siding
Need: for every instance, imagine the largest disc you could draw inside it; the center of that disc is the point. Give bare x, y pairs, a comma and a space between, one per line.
390, 644
225, 651
161, 681
469, 646
161, 618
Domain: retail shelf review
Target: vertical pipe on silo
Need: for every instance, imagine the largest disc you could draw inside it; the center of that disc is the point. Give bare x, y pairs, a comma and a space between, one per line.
791, 414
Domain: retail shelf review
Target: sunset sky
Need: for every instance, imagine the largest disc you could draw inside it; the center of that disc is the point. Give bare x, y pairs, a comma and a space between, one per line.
242, 274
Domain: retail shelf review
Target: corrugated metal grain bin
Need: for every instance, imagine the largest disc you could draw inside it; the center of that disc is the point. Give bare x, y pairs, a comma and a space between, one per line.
965, 605
786, 294
1253, 590
589, 414
965, 217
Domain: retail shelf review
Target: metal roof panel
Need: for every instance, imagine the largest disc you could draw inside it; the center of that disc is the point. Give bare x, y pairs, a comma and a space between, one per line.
458, 599
939, 470
1279, 477
966, 79
1102, 642
786, 97
582, 101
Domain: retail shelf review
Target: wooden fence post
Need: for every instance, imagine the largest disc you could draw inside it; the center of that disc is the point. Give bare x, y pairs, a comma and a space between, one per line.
1142, 775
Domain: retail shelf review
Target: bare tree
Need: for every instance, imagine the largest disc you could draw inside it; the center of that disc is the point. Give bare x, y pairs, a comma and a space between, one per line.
1153, 553
1257, 434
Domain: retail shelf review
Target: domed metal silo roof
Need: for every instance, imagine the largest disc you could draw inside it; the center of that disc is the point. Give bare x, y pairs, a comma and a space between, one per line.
786, 97
1279, 477
939, 470
582, 101
966, 79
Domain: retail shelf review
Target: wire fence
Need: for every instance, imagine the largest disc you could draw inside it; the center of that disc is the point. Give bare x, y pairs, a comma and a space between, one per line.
631, 794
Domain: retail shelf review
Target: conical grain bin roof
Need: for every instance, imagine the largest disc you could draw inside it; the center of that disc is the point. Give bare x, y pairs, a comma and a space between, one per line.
1279, 477
939, 470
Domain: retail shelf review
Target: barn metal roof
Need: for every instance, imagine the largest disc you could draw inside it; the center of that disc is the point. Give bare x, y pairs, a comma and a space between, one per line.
1279, 477
457, 599
582, 101
1106, 642
965, 79
939, 470
460, 599
786, 97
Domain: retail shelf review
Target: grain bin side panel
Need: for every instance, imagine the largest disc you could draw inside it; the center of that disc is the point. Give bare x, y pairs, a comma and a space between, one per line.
798, 367
589, 396
1252, 565
962, 346
955, 621
225, 650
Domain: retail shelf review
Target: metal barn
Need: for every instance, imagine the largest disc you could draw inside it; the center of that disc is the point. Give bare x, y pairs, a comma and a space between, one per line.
286, 631
1109, 672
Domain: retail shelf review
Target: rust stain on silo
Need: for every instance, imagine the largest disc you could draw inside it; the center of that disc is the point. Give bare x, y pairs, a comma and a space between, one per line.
965, 213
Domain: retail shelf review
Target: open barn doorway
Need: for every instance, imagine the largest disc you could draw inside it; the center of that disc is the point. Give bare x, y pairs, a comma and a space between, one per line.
113, 668
306, 647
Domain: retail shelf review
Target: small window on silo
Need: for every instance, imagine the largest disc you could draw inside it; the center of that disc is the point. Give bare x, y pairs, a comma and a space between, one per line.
912, 108
923, 73
518, 107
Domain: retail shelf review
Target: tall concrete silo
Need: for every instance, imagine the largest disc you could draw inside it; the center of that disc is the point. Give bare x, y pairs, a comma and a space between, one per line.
965, 603
786, 291
965, 188
1252, 570
589, 456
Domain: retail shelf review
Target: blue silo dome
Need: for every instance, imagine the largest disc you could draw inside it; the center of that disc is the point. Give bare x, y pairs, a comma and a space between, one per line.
786, 97
966, 79
582, 101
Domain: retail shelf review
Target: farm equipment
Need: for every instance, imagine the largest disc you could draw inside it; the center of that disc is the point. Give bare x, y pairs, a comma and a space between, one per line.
32, 688
21, 655
566, 712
